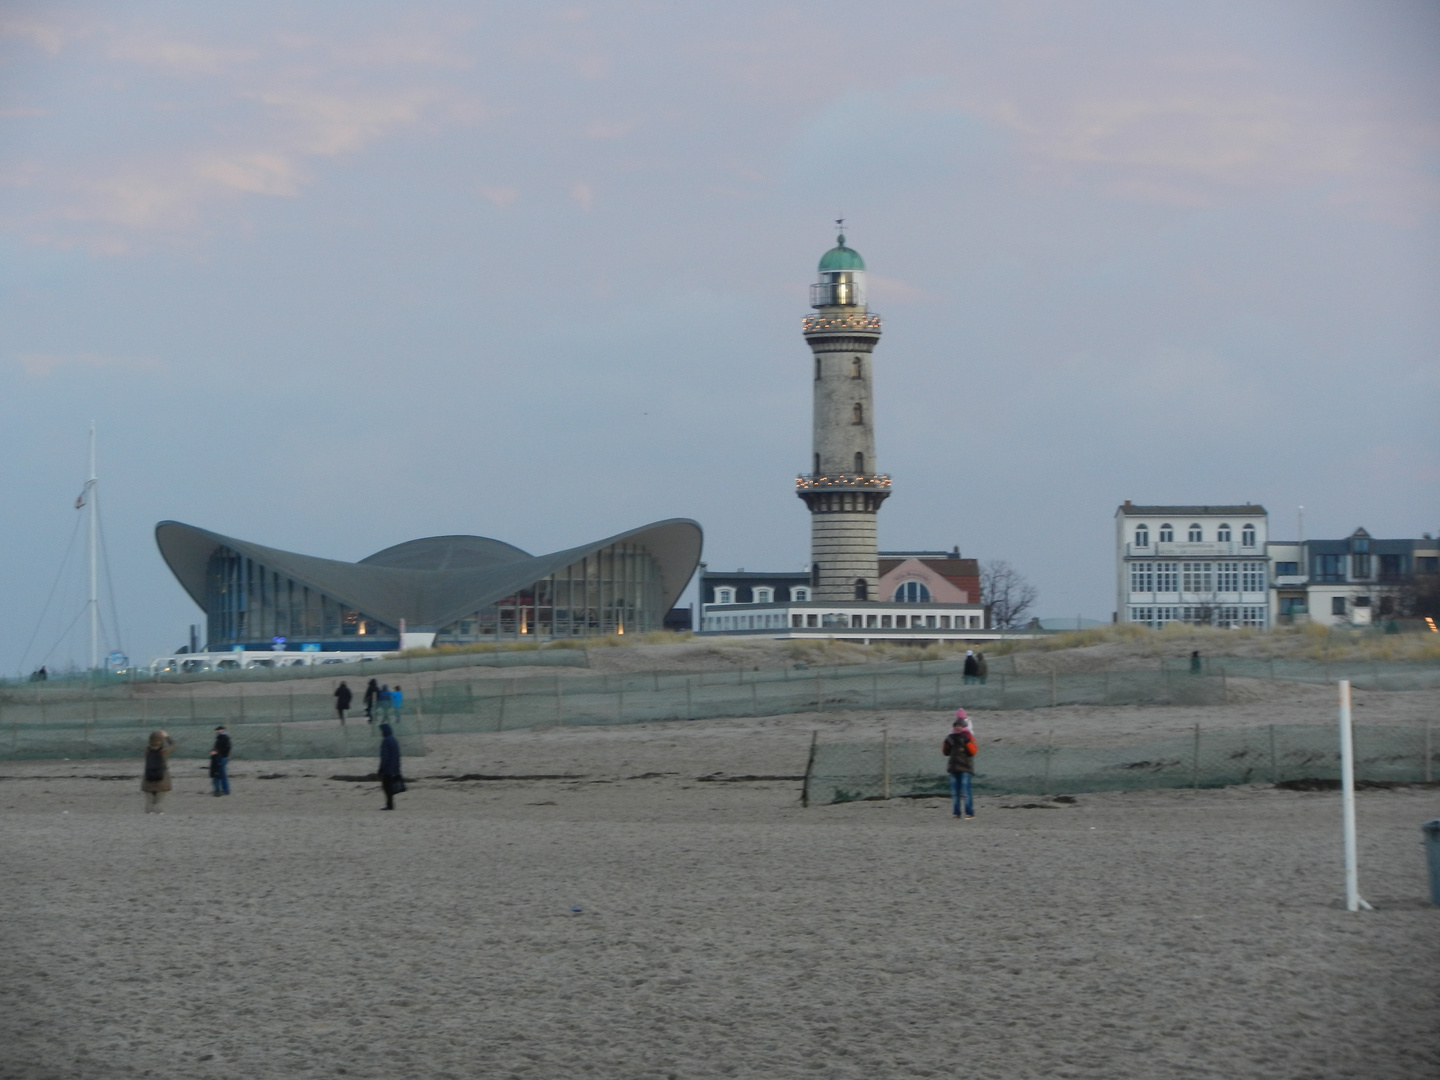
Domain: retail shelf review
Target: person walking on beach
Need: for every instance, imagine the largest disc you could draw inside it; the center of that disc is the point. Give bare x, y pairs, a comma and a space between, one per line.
972, 667
982, 669
219, 759
1195, 665
156, 780
960, 748
397, 702
382, 699
391, 781
372, 693
343, 697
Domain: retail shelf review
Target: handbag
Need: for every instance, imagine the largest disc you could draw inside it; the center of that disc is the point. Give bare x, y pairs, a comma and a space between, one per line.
397, 785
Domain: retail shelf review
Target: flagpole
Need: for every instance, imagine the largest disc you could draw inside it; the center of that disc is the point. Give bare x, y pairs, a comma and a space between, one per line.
94, 564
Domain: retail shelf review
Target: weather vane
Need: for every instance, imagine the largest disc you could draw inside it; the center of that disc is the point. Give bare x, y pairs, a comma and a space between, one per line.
840, 225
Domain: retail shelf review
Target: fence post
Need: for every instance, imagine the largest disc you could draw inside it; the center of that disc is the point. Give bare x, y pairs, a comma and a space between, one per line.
559, 705
809, 765
885, 751
754, 699
1049, 750
1195, 762
1274, 760
1429, 755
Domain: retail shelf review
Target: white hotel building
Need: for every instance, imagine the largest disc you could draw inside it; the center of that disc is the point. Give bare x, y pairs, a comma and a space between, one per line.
1192, 564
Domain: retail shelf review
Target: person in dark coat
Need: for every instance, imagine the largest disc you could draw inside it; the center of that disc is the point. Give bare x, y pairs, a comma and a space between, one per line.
972, 667
156, 779
372, 694
219, 759
343, 697
959, 747
382, 699
982, 668
391, 781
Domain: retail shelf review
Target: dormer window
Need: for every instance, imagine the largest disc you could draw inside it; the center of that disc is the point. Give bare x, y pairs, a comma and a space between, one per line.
1194, 533
1247, 536
724, 596
1223, 533
1142, 536
764, 596
912, 592
800, 594
1167, 533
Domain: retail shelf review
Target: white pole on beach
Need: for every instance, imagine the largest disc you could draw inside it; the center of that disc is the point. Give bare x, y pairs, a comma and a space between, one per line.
1353, 900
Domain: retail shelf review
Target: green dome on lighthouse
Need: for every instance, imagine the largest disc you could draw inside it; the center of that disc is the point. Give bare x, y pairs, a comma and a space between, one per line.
841, 257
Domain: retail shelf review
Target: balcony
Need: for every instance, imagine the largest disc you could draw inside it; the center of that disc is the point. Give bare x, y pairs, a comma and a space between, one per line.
842, 480
1209, 549
863, 322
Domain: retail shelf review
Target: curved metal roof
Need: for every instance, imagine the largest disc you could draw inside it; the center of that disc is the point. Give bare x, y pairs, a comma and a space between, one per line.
429, 582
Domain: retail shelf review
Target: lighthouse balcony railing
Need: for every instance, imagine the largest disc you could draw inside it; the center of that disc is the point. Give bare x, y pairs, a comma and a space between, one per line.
842, 480
838, 322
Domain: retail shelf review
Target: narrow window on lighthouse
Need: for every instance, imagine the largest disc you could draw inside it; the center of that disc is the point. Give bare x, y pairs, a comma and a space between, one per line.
817, 369
862, 589
859, 412
856, 371
817, 464
860, 464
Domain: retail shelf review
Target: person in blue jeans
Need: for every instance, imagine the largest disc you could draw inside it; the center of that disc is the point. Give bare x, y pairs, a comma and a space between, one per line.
219, 759
959, 747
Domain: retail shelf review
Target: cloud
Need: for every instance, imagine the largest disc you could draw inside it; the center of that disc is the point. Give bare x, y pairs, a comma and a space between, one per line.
610, 129
181, 57
327, 123
583, 196
40, 365
50, 34
500, 196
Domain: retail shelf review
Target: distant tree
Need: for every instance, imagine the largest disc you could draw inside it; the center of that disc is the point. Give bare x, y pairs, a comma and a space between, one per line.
1005, 593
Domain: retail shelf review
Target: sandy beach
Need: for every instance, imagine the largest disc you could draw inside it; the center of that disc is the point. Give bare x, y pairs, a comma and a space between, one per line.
619, 906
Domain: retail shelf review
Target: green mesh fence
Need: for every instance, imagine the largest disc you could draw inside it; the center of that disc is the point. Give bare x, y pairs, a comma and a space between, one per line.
48, 720
844, 772
125, 738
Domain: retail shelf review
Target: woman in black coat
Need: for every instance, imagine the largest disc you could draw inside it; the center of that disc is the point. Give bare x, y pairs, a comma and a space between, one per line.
390, 779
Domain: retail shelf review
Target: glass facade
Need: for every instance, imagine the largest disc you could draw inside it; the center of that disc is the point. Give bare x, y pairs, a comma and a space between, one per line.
617, 590
250, 604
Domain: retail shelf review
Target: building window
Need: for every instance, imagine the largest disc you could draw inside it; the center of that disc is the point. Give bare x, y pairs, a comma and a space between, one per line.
1195, 534
857, 369
1327, 568
724, 596
812, 620
1247, 536
859, 464
912, 592
797, 620
1166, 577
1197, 577
1223, 533
1227, 577
1142, 536
1291, 606
1337, 605
1167, 533
1287, 569
858, 413
1394, 566
1360, 563
1427, 564
817, 369
1142, 577
764, 596
800, 594
1252, 577
862, 589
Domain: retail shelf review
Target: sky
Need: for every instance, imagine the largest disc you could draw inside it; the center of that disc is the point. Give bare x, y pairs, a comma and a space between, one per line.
330, 276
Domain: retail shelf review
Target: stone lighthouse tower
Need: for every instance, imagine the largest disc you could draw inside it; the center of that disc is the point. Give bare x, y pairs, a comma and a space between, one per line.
844, 490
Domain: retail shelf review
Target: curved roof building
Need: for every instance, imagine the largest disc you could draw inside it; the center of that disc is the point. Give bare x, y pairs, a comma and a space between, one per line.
459, 588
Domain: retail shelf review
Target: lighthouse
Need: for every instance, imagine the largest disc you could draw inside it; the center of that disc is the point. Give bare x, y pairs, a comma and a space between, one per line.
843, 489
